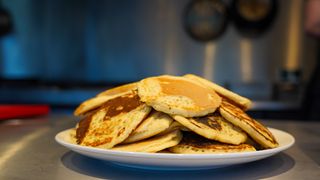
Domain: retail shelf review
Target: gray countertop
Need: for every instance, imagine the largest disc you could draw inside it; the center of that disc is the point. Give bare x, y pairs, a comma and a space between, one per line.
28, 151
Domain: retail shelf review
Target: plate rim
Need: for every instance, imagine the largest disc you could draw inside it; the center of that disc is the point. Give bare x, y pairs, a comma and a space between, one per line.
101, 151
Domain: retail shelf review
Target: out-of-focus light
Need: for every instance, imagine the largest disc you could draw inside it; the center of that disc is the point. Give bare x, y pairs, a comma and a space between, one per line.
294, 39
246, 60
209, 58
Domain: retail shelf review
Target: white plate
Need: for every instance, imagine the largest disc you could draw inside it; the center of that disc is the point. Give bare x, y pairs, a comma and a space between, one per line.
176, 161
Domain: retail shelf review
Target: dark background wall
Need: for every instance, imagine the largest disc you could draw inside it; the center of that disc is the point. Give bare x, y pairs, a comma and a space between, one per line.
58, 47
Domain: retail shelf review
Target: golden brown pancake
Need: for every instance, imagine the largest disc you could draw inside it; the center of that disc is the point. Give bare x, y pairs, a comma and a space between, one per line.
215, 127
154, 144
91, 104
175, 125
155, 123
112, 123
178, 96
256, 130
192, 143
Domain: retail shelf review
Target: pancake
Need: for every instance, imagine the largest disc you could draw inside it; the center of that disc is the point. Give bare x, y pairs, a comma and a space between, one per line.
178, 96
214, 127
174, 126
255, 130
112, 123
192, 143
241, 101
155, 123
154, 144
119, 89
103, 97
91, 104
73, 134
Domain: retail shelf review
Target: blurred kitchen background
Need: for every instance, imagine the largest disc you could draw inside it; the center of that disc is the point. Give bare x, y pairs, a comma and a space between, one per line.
61, 52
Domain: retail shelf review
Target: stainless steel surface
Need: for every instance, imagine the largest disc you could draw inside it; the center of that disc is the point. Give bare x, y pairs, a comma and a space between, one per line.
28, 151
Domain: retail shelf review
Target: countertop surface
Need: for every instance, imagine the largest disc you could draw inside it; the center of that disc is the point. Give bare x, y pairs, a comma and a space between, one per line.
28, 151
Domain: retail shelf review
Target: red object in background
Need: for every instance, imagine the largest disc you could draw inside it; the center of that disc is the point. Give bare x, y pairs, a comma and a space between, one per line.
312, 17
10, 111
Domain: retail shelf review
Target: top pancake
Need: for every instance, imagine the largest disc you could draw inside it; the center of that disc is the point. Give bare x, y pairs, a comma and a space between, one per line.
241, 101
178, 96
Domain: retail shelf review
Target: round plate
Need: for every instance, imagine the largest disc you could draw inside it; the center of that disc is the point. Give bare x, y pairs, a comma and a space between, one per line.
169, 161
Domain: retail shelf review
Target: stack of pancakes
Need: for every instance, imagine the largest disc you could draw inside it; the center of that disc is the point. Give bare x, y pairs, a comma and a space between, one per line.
185, 114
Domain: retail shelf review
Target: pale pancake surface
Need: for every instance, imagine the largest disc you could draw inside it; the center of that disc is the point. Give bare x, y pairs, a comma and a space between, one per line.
194, 144
178, 96
112, 122
153, 144
256, 130
215, 127
155, 123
